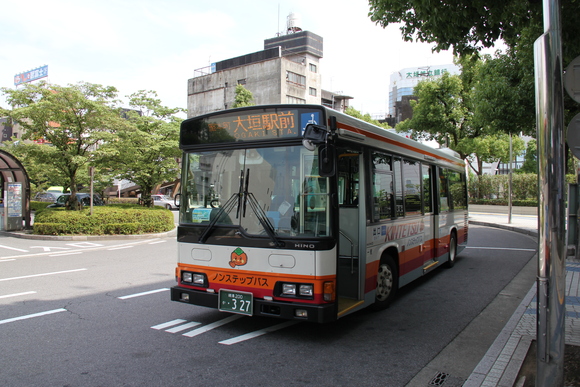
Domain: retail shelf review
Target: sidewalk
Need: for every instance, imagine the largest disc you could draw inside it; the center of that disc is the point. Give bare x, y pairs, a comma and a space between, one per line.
502, 362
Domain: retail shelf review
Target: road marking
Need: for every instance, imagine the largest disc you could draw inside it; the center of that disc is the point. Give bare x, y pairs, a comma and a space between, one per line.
168, 324
251, 335
142, 294
17, 294
49, 248
31, 316
63, 254
41, 275
120, 248
7, 260
498, 248
183, 327
211, 326
156, 242
13, 248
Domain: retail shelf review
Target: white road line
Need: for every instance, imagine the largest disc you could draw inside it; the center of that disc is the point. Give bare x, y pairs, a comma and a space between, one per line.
31, 316
168, 324
17, 294
120, 248
251, 335
7, 260
183, 327
156, 242
142, 294
63, 254
211, 326
13, 248
41, 275
498, 248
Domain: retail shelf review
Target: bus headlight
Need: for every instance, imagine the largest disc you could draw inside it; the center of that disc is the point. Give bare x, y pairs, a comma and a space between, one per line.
297, 290
306, 290
289, 289
198, 279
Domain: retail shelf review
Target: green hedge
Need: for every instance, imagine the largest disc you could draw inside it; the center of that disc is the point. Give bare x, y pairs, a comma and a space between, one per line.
114, 219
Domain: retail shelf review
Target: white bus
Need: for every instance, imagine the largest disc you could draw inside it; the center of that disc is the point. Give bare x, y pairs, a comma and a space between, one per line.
302, 212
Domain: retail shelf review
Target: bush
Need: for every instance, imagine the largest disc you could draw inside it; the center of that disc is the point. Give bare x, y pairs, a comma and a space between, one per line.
114, 219
38, 206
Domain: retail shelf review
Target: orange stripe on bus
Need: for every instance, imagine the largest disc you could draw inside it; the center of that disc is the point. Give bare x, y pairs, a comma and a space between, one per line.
394, 142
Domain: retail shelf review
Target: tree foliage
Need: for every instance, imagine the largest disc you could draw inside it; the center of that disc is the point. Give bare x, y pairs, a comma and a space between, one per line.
147, 147
446, 111
74, 120
244, 97
365, 117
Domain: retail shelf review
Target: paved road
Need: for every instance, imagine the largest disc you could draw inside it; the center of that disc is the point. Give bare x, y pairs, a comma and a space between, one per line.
98, 314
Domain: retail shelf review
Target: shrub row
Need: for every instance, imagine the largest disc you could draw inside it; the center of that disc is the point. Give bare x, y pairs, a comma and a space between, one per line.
105, 220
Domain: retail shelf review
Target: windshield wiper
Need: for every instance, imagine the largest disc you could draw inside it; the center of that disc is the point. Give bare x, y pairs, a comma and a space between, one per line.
260, 214
224, 209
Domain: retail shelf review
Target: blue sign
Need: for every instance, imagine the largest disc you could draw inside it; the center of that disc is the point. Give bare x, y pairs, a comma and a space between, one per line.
31, 75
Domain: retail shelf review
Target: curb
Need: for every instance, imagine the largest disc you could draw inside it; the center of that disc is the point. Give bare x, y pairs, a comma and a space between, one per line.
26, 235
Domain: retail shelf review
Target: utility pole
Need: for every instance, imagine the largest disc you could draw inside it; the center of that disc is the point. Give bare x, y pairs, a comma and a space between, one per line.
551, 208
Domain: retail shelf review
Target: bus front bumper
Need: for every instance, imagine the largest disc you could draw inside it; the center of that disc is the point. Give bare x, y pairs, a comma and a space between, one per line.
264, 308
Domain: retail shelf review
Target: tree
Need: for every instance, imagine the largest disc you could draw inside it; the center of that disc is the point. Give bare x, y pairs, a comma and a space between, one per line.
444, 113
148, 146
365, 117
244, 97
530, 159
470, 25
74, 120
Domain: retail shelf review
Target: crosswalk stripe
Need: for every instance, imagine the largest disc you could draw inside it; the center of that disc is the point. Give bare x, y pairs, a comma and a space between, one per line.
211, 326
168, 324
183, 327
251, 335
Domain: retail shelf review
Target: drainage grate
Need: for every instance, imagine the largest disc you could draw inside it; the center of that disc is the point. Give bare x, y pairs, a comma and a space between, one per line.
446, 380
439, 379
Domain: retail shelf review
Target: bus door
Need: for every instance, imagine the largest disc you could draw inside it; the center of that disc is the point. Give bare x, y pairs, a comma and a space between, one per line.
430, 228
351, 214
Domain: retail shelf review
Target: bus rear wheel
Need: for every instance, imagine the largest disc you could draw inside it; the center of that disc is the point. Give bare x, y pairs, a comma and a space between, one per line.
387, 283
452, 251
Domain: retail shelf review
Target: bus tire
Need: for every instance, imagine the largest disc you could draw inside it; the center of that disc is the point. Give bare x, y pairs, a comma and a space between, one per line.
452, 251
387, 283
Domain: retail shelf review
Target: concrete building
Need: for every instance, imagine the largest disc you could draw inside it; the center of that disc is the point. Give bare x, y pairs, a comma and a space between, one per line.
286, 71
403, 82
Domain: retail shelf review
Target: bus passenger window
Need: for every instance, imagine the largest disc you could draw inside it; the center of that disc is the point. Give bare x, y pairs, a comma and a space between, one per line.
443, 191
411, 173
383, 206
348, 179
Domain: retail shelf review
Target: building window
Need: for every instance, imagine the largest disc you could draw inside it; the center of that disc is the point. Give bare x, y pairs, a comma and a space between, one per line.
242, 81
313, 91
313, 67
295, 78
295, 100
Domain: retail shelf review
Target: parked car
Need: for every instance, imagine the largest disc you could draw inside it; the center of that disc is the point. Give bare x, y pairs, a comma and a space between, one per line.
164, 201
49, 197
83, 198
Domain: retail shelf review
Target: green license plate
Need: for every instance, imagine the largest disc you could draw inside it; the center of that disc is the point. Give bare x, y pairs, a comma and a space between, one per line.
236, 302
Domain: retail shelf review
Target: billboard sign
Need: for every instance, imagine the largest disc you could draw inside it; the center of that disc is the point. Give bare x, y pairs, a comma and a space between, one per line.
31, 75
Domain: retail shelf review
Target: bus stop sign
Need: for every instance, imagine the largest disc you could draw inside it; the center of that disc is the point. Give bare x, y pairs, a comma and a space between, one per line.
573, 136
572, 79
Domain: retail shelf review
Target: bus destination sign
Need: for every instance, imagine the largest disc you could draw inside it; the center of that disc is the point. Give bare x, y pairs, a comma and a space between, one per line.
259, 126
252, 124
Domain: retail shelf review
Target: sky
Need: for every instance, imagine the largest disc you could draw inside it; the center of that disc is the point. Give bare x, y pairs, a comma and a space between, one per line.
157, 45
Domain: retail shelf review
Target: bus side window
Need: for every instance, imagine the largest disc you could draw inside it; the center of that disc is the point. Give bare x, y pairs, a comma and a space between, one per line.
383, 206
443, 191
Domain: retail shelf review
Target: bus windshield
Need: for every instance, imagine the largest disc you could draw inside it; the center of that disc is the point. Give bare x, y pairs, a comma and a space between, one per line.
259, 190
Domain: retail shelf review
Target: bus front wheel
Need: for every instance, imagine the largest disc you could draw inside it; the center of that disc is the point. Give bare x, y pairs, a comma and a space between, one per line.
387, 283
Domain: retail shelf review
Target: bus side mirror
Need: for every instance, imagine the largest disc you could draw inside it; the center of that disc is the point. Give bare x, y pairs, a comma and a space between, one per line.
326, 160
314, 135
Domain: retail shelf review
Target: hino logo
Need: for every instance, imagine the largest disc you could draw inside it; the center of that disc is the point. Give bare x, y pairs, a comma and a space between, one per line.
304, 245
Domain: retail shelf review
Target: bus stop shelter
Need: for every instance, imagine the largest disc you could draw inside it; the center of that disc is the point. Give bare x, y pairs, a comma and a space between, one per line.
15, 188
